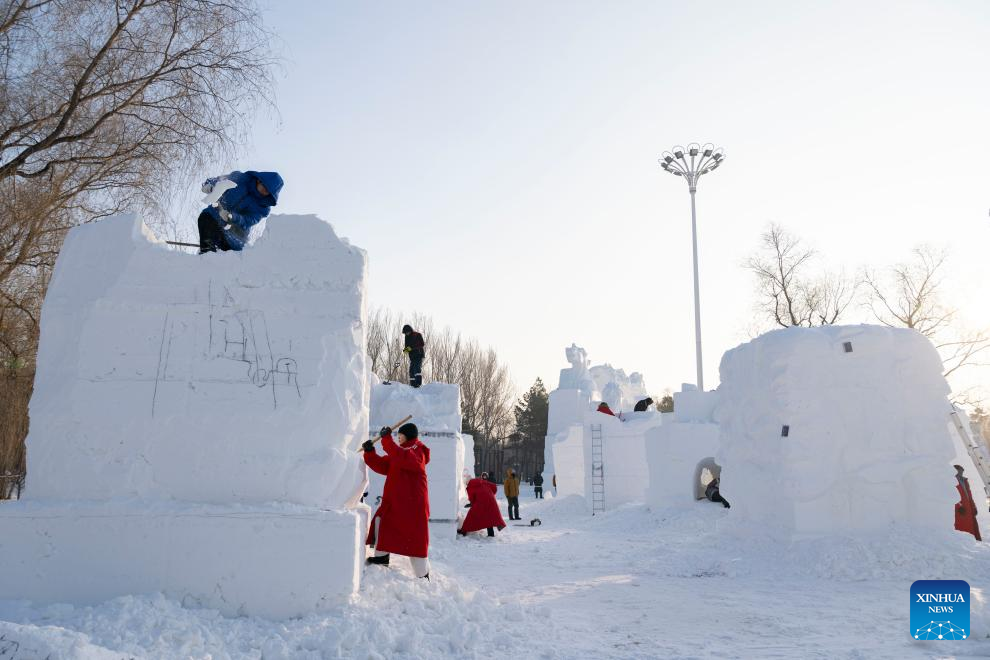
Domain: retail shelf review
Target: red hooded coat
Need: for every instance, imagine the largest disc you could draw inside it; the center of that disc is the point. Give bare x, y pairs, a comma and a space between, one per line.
484, 511
966, 509
405, 507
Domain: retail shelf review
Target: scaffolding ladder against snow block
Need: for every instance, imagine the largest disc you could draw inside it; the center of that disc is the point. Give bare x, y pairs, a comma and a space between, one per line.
972, 441
597, 470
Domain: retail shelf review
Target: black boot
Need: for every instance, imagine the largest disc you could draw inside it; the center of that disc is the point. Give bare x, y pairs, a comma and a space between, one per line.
383, 560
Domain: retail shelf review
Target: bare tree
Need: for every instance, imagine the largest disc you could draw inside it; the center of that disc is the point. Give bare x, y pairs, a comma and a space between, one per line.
106, 106
909, 295
103, 105
487, 392
788, 296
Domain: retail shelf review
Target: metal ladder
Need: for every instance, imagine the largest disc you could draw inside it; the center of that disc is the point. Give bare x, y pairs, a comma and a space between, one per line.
974, 452
597, 471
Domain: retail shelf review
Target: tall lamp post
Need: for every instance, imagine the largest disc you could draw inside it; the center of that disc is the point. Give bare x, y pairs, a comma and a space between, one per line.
691, 163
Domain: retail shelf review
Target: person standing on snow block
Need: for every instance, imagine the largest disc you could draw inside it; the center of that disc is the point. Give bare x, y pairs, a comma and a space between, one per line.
484, 513
538, 486
603, 408
416, 349
401, 523
966, 509
247, 198
511, 489
642, 406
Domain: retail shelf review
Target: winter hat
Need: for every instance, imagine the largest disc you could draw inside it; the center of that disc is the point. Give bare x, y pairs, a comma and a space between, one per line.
409, 430
406, 328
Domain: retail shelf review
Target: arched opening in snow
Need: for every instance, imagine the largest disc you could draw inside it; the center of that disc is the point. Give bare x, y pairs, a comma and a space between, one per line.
706, 470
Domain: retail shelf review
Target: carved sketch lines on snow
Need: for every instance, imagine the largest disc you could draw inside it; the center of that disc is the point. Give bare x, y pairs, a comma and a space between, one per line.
163, 349
246, 339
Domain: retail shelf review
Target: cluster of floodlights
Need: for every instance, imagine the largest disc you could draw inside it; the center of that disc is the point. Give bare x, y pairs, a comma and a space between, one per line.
692, 162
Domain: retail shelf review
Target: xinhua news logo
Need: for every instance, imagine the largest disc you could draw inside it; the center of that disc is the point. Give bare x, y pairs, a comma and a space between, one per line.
940, 609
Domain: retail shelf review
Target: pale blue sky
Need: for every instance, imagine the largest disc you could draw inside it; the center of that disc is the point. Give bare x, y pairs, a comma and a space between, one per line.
498, 160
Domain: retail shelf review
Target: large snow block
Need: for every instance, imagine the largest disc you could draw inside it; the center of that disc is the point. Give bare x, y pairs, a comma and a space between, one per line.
434, 406
275, 562
228, 377
194, 423
836, 430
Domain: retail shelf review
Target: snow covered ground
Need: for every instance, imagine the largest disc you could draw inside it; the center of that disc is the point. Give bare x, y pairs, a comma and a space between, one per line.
632, 583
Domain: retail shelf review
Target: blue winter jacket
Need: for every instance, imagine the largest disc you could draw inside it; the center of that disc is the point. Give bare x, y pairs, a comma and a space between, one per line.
245, 204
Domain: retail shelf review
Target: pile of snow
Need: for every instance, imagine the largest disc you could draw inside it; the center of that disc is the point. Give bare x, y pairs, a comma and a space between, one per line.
836, 430
436, 412
193, 417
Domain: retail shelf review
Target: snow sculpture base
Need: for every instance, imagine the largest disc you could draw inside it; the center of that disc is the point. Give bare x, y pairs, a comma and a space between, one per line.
272, 562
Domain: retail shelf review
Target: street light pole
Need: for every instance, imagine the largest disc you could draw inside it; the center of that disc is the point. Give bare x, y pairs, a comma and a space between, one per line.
699, 160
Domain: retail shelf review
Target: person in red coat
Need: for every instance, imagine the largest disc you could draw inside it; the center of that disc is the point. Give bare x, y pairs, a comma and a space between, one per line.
966, 508
603, 408
401, 523
484, 513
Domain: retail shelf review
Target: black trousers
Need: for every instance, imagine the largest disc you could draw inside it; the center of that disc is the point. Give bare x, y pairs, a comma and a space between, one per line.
538, 491
716, 497
513, 506
211, 236
415, 370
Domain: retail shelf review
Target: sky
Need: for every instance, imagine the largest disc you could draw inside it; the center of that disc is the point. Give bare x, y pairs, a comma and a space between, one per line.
498, 160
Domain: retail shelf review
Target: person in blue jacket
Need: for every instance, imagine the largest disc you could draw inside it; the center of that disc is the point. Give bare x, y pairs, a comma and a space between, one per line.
225, 224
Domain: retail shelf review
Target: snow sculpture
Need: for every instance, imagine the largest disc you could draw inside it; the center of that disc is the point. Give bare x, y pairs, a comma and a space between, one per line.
194, 418
620, 391
436, 412
836, 430
612, 395
577, 377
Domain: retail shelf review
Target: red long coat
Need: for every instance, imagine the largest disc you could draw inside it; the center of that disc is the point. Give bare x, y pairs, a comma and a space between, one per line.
966, 509
405, 507
484, 511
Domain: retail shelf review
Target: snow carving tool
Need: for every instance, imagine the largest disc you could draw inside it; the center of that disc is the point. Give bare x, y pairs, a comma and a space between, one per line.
535, 522
195, 245
393, 427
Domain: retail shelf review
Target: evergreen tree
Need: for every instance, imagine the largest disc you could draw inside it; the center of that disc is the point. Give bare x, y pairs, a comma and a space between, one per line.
532, 411
527, 443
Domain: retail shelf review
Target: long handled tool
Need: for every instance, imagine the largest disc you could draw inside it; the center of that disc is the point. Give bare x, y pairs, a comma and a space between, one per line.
393, 426
195, 245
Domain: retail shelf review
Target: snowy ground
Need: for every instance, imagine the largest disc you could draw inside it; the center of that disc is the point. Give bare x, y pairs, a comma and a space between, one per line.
633, 583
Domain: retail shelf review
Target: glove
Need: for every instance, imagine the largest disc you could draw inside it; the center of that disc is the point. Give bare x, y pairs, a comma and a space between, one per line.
385, 431
224, 213
368, 445
407, 349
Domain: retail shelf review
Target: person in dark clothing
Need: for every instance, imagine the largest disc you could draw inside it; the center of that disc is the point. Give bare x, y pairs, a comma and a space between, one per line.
538, 486
711, 492
416, 349
246, 198
641, 406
